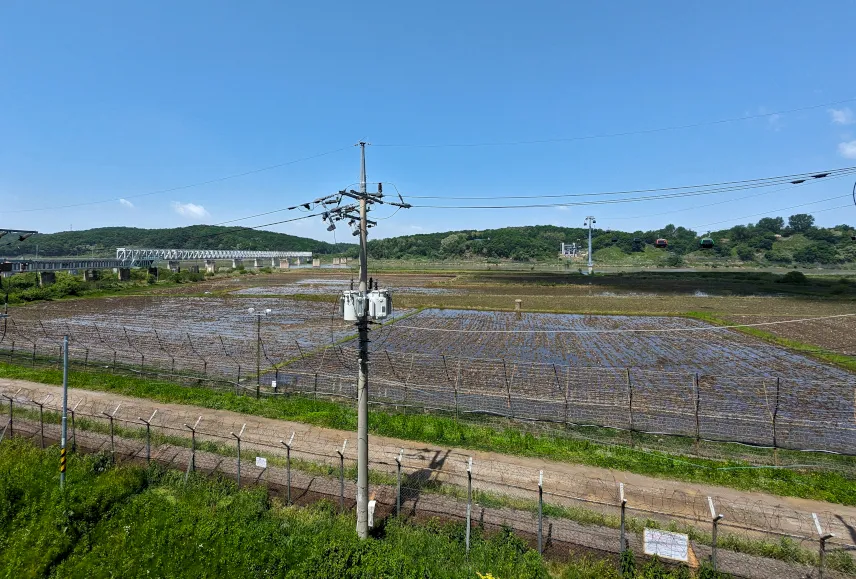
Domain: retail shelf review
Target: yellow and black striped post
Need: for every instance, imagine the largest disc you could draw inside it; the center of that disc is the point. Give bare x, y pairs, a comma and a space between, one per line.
61, 467
64, 438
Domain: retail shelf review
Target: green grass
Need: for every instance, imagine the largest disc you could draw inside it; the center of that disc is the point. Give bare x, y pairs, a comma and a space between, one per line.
130, 522
830, 486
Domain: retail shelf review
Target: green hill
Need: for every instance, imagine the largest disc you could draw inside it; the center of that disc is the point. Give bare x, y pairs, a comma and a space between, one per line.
771, 241
103, 241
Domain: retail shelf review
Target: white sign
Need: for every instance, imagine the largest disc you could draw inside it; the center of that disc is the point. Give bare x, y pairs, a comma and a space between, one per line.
273, 384
667, 545
261, 462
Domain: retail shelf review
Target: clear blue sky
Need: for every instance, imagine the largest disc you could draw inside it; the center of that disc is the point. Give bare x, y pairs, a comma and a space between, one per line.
101, 100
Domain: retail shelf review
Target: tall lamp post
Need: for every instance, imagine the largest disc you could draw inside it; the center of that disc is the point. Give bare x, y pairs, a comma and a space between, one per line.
258, 315
588, 223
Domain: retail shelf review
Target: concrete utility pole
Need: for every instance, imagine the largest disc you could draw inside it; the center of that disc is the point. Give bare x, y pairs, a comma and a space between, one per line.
589, 222
363, 381
356, 215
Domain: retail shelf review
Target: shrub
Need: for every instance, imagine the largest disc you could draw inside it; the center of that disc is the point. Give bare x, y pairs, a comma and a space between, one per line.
793, 277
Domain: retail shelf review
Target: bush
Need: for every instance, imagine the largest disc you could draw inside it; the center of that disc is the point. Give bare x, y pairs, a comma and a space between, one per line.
796, 277
745, 253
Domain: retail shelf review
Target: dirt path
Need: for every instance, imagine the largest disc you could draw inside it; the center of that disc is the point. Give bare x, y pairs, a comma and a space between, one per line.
569, 484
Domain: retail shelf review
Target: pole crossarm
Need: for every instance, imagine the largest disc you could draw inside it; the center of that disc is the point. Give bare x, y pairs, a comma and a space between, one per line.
134, 255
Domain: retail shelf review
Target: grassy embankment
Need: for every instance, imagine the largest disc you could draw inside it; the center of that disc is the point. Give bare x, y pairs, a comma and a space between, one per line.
130, 522
827, 485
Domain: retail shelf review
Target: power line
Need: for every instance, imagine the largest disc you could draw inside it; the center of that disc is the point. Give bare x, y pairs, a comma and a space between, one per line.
781, 209
622, 133
182, 187
794, 179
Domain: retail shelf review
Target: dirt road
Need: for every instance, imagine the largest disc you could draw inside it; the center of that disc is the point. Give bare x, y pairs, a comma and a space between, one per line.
569, 484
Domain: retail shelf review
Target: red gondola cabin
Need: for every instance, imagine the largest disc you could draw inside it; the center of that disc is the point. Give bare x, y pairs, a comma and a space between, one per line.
661, 243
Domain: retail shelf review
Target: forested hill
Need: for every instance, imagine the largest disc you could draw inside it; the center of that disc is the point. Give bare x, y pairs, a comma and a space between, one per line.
772, 240
103, 241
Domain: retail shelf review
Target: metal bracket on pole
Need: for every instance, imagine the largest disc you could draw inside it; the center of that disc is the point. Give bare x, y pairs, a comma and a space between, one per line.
238, 438
148, 424
288, 466
824, 537
715, 518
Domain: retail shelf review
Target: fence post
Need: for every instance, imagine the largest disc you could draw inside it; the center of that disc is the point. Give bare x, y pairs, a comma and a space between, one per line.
74, 428
697, 407
715, 518
623, 513
148, 424
540, 512
41, 421
398, 482
11, 415
86, 359
112, 442
507, 389
824, 537
315, 388
469, 501
34, 355
564, 392
630, 406
775, 417
288, 467
342, 476
191, 466
457, 382
238, 438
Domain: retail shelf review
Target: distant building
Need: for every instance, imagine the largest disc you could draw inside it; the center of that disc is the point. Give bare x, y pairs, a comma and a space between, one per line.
569, 250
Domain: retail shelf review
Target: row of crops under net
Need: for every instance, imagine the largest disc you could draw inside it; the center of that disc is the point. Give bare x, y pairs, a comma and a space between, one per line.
760, 410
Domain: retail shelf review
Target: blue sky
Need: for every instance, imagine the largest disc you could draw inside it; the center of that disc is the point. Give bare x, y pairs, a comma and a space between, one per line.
103, 100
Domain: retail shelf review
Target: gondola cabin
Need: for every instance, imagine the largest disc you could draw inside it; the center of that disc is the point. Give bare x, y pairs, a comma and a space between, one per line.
706, 243
661, 243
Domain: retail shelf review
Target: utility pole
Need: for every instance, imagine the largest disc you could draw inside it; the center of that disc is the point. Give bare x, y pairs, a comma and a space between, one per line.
589, 222
363, 380
356, 214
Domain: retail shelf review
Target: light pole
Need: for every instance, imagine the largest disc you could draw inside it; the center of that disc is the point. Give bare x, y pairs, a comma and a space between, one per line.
258, 315
588, 223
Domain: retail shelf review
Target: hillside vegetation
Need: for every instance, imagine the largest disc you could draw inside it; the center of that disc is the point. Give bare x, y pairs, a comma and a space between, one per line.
770, 241
103, 241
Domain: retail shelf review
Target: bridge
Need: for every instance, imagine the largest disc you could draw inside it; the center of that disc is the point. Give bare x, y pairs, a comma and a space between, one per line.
132, 256
68, 264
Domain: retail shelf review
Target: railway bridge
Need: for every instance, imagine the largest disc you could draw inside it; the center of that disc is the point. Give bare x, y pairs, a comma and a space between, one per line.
135, 256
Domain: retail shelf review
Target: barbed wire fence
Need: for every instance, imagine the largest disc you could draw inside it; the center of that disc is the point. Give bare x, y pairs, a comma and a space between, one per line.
761, 411
603, 517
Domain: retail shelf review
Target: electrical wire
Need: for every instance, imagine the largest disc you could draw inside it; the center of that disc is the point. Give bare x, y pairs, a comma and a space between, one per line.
182, 187
630, 331
724, 186
618, 134
770, 212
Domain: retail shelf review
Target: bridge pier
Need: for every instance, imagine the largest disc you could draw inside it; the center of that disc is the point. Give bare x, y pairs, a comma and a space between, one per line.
237, 263
154, 271
256, 263
283, 264
273, 262
174, 266
92, 275
124, 274
46, 278
193, 269
210, 266
316, 263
